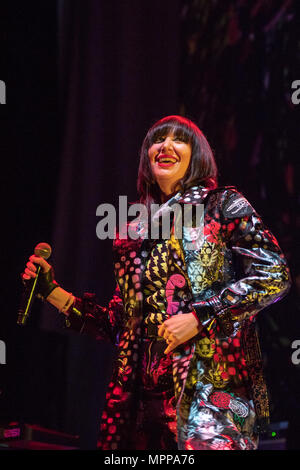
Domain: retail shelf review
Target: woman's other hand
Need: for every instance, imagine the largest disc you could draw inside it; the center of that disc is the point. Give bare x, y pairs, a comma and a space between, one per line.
179, 329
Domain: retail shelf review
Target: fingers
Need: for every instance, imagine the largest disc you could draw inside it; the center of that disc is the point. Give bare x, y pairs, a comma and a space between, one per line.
172, 343
30, 270
178, 329
168, 328
169, 349
41, 261
28, 274
161, 330
165, 332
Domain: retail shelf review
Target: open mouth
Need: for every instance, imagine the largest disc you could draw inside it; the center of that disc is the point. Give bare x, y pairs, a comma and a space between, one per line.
166, 160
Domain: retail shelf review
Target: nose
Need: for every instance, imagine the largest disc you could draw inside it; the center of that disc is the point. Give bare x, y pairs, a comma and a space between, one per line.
166, 144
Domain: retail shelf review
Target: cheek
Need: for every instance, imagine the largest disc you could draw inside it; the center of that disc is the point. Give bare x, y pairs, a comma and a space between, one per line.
152, 152
186, 159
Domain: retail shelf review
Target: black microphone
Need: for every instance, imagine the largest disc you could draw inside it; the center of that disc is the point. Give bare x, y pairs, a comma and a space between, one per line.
43, 250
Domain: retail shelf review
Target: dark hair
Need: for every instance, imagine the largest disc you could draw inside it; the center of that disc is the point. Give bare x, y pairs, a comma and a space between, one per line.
202, 168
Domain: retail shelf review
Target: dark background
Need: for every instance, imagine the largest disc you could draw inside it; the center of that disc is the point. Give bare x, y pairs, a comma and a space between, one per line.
84, 82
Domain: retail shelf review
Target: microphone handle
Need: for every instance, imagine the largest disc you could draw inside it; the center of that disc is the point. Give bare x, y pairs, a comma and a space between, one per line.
27, 299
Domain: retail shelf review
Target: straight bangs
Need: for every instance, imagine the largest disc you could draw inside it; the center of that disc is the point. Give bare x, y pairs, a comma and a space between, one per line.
179, 128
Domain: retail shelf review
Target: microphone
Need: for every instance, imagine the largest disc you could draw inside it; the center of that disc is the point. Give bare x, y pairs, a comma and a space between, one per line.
43, 250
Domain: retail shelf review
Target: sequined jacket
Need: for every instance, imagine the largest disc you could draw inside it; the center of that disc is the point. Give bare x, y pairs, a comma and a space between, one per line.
234, 268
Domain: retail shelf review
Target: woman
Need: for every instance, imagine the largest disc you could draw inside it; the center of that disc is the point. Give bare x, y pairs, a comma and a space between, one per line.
188, 372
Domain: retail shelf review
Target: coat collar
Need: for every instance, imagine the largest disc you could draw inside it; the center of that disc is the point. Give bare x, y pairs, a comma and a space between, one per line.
194, 195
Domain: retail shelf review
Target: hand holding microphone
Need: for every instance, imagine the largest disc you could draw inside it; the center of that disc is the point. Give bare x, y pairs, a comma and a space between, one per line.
38, 279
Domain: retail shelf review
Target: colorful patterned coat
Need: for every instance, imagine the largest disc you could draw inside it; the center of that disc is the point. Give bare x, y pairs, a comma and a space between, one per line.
236, 270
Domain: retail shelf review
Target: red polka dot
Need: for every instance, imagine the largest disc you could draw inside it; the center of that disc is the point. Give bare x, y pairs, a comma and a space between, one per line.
112, 429
216, 357
230, 358
231, 371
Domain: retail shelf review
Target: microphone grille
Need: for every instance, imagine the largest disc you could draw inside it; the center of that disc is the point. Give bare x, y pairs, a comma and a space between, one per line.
43, 250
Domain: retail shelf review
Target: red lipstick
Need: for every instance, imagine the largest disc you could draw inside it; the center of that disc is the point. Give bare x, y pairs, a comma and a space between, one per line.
166, 161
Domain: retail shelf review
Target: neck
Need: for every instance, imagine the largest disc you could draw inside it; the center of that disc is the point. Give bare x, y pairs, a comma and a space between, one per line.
167, 193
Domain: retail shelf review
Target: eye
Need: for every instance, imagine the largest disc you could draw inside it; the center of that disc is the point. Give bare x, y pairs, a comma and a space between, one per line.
180, 138
158, 140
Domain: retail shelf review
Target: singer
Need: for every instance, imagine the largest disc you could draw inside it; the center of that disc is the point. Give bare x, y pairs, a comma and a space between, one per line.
188, 373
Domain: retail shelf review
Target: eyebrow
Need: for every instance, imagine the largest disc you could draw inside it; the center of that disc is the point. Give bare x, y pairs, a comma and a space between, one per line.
176, 135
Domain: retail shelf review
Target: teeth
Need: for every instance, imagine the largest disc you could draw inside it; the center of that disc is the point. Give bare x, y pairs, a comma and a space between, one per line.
167, 160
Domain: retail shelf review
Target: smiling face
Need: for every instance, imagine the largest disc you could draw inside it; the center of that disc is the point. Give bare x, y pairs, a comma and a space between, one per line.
169, 158
191, 161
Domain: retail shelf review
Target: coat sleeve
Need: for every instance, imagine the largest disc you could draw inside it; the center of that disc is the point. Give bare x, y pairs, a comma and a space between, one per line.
261, 272
87, 317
